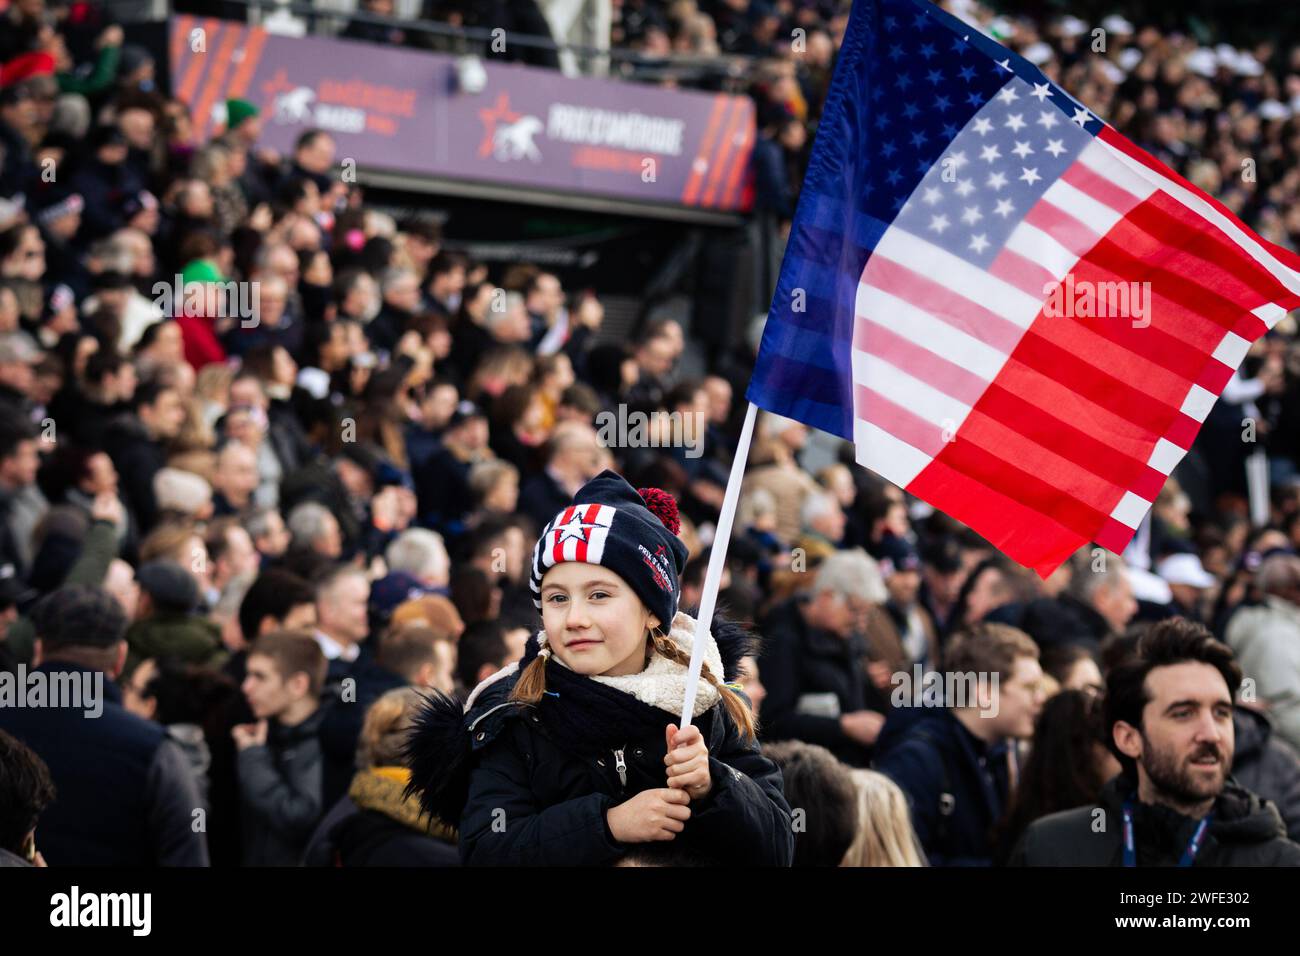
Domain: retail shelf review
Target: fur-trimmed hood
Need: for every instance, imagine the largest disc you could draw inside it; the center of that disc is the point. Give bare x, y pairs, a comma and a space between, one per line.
446, 733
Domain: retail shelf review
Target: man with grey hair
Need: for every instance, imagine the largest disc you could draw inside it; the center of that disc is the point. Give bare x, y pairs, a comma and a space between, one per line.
313, 527
509, 326
1266, 640
823, 523
814, 661
1100, 595
421, 554
399, 288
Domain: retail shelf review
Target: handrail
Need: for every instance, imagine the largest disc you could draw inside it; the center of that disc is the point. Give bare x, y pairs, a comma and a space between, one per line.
725, 64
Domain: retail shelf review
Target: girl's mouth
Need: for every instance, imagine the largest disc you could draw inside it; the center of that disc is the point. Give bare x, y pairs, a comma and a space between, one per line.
575, 645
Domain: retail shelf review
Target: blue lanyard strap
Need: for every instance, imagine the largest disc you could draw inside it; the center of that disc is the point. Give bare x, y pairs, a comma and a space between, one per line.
1189, 854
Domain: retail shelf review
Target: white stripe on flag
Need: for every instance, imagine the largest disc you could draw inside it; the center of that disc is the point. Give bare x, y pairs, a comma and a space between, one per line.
891, 458
1130, 510
1109, 165
922, 328
922, 400
1165, 456
1097, 216
1231, 350
1270, 314
1288, 277
958, 275
1040, 248
1198, 403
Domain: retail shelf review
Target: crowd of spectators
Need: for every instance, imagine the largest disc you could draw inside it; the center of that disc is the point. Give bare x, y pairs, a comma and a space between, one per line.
266, 504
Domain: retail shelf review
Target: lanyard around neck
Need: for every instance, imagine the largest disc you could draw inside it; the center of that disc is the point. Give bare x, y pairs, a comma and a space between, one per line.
1189, 854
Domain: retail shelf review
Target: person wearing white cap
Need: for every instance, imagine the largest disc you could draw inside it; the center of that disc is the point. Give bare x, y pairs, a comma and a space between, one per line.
1189, 582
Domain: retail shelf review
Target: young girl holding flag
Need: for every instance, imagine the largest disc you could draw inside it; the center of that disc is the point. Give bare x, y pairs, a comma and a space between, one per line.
572, 756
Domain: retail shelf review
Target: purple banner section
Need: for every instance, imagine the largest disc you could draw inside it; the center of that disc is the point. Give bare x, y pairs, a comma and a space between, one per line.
405, 111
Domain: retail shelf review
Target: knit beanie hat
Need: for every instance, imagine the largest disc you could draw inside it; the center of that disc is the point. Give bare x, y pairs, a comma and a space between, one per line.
632, 533
237, 111
201, 270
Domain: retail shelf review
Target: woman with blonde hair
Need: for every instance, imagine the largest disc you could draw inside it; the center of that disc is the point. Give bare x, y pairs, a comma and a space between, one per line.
376, 823
885, 836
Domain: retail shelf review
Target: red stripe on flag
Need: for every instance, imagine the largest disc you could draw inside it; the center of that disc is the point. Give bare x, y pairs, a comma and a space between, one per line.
1038, 423
1235, 275
1214, 376
1149, 483
1133, 254
1032, 491
1014, 269
942, 303
1080, 338
889, 416
1127, 401
1114, 535
1044, 391
1099, 188
1020, 531
1062, 227
1250, 327
1066, 478
920, 363
1112, 138
1175, 338
1182, 430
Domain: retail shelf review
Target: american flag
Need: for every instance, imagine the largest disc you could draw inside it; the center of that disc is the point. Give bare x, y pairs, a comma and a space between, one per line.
965, 232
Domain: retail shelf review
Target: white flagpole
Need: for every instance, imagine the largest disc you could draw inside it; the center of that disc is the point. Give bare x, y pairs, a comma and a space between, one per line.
717, 560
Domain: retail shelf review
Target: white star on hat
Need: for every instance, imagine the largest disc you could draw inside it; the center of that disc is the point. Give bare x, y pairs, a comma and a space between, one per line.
573, 528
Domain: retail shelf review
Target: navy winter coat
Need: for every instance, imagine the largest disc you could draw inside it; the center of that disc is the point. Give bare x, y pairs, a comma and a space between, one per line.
531, 800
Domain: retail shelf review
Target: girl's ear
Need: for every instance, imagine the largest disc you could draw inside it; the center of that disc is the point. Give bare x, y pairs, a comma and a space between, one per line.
652, 622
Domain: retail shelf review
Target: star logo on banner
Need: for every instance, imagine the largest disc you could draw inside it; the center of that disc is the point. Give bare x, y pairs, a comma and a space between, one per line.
573, 528
500, 112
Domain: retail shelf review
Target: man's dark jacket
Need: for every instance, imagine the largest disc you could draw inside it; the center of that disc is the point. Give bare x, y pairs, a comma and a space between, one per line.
125, 795
1245, 831
957, 784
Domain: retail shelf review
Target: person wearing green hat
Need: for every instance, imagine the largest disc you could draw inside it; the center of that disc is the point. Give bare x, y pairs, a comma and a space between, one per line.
238, 112
196, 311
243, 129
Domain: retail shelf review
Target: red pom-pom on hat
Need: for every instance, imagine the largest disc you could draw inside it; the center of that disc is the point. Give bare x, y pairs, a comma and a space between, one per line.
663, 506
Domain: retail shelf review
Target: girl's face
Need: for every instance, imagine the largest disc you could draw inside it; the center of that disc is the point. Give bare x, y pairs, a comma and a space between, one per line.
594, 621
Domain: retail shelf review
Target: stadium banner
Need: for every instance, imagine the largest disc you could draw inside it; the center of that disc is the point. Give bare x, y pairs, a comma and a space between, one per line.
406, 112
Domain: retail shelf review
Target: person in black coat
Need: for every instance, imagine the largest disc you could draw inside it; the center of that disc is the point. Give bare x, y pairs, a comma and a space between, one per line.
1267, 765
138, 446
955, 762
572, 756
125, 792
814, 663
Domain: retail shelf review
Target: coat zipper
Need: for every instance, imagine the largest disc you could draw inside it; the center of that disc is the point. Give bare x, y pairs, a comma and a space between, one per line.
621, 766
509, 703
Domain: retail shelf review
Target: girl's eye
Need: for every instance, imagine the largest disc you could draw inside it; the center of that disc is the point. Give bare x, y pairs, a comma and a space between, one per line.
598, 594
555, 598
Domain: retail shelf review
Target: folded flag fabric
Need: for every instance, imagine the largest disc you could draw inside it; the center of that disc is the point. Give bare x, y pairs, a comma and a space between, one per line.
1013, 312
